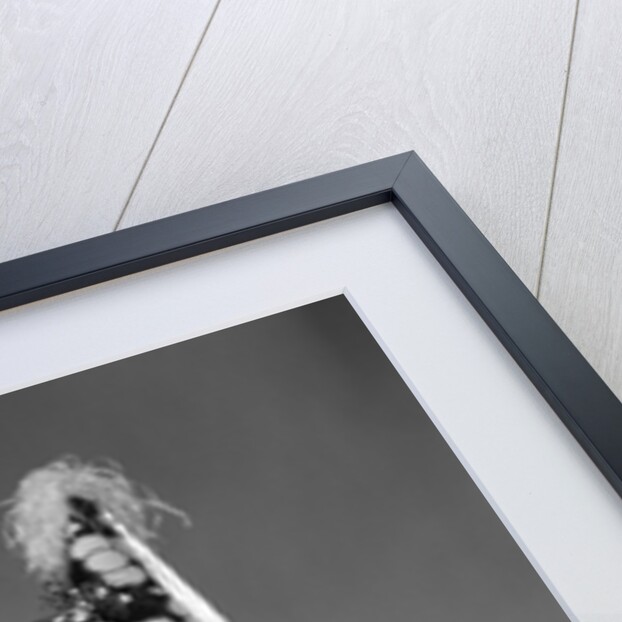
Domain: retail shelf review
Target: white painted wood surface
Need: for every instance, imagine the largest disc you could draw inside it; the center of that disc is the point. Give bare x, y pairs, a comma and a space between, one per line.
284, 90
84, 87
582, 275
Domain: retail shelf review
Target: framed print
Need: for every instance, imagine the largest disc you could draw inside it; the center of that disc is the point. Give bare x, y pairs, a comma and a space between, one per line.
127, 342
316, 485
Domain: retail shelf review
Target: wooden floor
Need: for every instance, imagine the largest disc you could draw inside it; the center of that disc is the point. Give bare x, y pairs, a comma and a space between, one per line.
113, 114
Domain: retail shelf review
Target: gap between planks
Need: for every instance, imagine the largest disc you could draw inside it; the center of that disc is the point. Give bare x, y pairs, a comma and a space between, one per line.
167, 114
547, 219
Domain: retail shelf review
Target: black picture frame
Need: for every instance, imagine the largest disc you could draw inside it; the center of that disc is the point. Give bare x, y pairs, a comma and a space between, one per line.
572, 388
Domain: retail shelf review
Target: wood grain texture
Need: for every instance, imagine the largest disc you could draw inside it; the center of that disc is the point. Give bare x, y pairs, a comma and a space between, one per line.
582, 275
283, 91
84, 87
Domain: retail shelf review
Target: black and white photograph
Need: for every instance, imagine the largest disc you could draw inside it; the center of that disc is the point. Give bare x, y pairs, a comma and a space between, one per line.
289, 473
310, 311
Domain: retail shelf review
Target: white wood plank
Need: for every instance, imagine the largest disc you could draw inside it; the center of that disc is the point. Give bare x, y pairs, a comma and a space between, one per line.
84, 87
582, 275
282, 91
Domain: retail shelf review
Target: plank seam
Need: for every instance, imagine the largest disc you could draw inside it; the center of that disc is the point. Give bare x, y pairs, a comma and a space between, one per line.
166, 115
547, 218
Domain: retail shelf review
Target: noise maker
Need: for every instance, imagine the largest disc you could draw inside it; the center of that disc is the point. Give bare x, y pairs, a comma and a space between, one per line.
83, 531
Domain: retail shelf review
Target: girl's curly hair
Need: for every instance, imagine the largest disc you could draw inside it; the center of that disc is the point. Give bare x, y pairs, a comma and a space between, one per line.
35, 523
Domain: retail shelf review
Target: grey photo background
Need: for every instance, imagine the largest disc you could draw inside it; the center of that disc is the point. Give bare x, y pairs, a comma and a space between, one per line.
318, 488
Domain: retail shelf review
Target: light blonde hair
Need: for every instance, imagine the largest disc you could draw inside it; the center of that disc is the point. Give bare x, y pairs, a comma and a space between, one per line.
35, 523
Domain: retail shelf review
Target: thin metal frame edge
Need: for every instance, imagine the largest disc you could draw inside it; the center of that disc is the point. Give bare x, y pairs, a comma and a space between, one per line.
120, 253
569, 384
